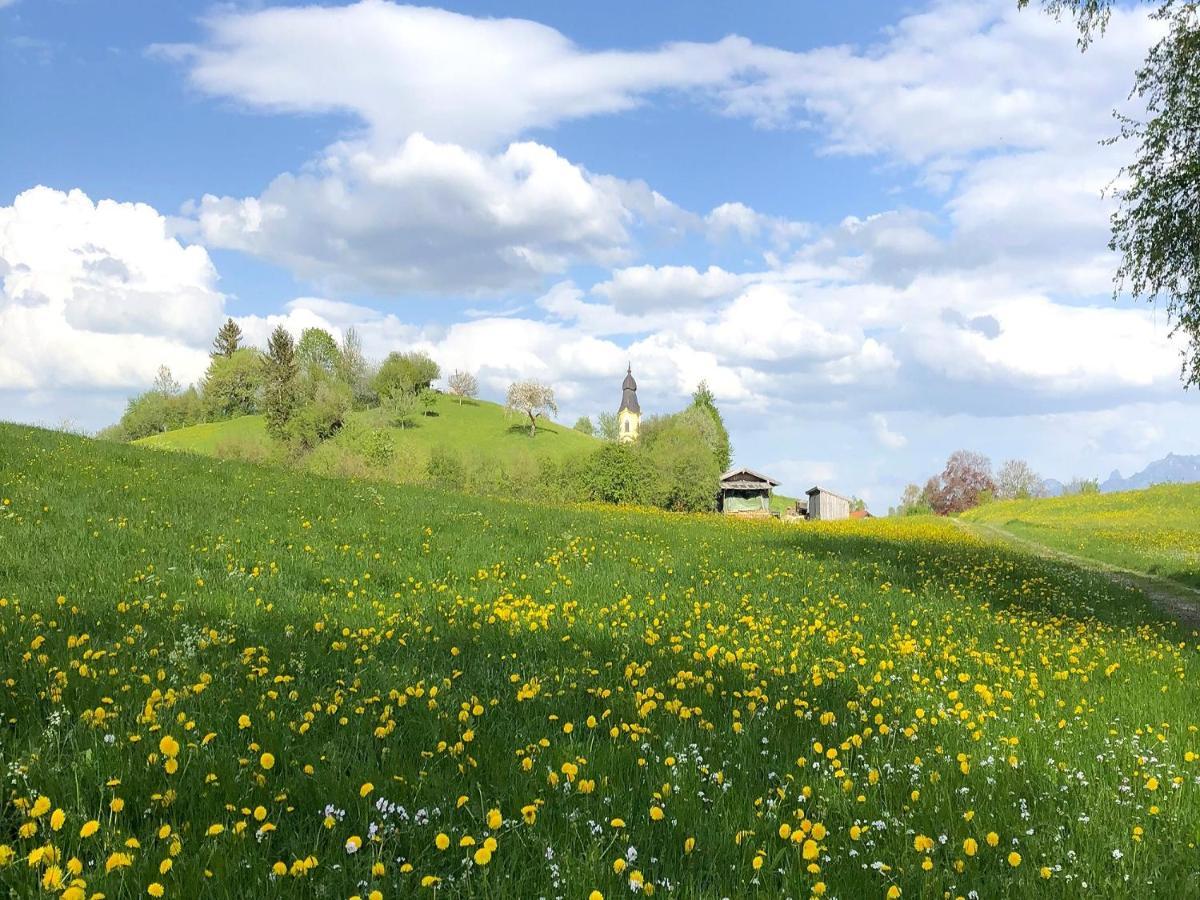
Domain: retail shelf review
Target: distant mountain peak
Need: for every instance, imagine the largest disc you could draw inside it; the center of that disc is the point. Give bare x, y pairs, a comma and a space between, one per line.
1171, 469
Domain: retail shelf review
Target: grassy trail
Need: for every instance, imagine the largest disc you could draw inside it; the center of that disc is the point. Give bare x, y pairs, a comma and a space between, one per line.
1179, 601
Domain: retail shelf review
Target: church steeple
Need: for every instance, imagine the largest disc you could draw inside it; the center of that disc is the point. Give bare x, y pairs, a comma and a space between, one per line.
629, 413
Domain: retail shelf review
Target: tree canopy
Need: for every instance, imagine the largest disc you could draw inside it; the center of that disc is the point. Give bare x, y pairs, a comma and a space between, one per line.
1156, 228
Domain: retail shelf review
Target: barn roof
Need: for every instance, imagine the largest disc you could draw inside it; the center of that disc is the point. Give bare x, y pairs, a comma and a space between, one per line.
820, 490
735, 478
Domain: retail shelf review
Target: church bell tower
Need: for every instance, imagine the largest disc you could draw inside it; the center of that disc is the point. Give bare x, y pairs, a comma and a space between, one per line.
629, 415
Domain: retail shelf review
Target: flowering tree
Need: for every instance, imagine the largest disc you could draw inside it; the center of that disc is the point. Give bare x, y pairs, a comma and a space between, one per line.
532, 398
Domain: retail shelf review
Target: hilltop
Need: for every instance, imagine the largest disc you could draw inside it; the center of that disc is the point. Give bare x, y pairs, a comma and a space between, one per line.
478, 432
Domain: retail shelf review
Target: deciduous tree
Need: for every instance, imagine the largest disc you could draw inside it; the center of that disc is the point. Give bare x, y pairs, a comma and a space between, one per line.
533, 399
463, 384
1016, 480
1158, 215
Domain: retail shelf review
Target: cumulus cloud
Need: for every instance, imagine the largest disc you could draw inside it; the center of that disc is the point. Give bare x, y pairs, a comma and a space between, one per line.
433, 217
893, 440
640, 288
98, 295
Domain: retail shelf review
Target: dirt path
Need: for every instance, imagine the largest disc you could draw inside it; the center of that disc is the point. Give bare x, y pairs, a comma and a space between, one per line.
1178, 601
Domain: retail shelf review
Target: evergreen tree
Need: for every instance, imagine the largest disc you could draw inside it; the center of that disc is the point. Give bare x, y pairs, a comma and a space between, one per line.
280, 394
228, 339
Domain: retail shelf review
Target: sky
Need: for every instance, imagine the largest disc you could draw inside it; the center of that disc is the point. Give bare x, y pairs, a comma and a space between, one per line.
877, 230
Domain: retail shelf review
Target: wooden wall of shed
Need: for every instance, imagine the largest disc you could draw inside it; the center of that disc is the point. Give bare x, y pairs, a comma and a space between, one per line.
824, 505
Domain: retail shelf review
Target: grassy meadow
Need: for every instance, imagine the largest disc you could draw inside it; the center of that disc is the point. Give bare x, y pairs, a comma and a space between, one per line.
224, 680
1155, 531
471, 429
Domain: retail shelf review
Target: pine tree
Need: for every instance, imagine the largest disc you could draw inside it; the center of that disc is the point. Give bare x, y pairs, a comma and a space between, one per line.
280, 394
228, 339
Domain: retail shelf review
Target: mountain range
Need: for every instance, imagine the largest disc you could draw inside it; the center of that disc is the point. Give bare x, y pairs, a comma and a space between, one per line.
1171, 469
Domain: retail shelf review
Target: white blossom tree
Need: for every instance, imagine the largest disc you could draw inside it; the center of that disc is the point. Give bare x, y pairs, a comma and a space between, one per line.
463, 384
532, 398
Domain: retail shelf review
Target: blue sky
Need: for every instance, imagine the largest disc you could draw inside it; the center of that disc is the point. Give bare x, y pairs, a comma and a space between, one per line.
876, 229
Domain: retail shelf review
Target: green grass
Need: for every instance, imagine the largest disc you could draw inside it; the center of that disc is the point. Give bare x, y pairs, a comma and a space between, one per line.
209, 437
474, 429
402, 653
1155, 531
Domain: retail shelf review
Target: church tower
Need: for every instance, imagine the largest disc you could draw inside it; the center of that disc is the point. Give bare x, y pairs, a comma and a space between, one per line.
629, 415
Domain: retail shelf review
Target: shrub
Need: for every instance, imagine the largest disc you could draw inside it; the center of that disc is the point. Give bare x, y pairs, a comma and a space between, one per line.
620, 473
320, 418
445, 469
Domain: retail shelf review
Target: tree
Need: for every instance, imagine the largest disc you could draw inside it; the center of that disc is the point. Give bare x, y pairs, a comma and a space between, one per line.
913, 502
606, 426
409, 372
584, 426
400, 407
620, 473
228, 339
680, 447
279, 376
967, 476
317, 349
1158, 213
463, 384
1079, 485
532, 398
722, 447
427, 398
165, 383
233, 385
354, 370
1016, 480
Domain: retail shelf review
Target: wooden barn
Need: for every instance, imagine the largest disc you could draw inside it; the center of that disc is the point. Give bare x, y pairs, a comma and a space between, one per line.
825, 504
744, 492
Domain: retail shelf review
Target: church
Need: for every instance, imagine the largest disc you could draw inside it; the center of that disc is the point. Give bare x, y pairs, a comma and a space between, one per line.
629, 414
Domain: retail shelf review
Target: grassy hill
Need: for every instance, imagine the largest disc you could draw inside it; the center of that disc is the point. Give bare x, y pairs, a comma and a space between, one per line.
290, 686
1156, 530
474, 429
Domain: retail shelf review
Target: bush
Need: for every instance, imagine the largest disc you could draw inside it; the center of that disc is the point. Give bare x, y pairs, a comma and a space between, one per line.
155, 412
320, 418
620, 473
445, 469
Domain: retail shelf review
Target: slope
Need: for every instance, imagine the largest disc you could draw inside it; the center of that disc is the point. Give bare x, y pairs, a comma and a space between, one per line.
291, 686
478, 431
1155, 531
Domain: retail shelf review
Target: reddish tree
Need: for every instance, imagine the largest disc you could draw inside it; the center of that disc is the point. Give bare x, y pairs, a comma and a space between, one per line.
967, 476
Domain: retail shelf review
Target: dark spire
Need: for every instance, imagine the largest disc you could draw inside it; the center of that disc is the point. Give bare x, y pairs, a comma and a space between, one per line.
629, 398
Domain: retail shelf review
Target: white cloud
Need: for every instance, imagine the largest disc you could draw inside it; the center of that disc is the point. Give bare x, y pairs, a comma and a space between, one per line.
893, 440
433, 217
98, 295
406, 69
642, 288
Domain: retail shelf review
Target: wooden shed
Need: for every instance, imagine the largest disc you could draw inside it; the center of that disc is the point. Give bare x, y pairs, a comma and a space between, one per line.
744, 492
825, 504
